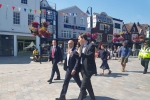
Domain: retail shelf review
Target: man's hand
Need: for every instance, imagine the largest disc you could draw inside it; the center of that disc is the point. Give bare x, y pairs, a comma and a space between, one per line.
79, 52
73, 72
108, 57
70, 52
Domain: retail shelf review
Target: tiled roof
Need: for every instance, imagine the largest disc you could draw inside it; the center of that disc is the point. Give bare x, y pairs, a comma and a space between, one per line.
129, 26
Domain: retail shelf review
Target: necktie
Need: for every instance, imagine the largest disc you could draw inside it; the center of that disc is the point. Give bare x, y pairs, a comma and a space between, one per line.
53, 52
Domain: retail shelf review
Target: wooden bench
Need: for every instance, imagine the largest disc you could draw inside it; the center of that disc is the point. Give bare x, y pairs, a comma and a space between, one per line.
44, 57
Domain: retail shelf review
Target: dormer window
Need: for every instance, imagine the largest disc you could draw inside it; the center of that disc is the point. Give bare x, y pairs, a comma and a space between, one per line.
24, 1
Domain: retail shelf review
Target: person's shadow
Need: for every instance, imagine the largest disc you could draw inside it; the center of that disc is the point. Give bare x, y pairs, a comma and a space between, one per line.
115, 75
138, 72
96, 98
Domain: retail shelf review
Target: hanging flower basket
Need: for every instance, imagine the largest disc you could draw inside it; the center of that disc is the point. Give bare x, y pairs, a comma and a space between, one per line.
45, 24
94, 36
44, 32
34, 28
115, 39
141, 37
88, 34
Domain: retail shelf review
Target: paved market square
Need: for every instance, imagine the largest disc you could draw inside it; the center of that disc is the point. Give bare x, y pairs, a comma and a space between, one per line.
22, 79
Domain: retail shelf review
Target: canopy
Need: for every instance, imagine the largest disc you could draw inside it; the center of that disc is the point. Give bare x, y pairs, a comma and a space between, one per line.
31, 45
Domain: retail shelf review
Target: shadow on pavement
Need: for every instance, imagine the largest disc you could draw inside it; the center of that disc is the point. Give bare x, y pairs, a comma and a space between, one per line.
116, 75
15, 60
138, 72
97, 98
62, 81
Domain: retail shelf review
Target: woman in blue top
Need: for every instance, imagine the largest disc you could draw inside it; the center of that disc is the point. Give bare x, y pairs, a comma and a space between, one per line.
124, 53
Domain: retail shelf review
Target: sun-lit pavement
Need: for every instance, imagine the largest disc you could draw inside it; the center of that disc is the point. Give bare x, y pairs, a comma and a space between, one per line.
28, 81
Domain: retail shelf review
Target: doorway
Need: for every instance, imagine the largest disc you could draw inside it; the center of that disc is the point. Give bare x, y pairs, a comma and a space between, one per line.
20, 46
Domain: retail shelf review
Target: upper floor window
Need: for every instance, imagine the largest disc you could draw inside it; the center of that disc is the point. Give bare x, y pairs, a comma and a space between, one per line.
101, 27
74, 20
74, 35
30, 18
66, 19
99, 38
16, 17
24, 1
117, 25
82, 21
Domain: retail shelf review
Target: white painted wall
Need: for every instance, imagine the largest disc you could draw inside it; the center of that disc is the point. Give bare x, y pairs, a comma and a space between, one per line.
6, 15
61, 21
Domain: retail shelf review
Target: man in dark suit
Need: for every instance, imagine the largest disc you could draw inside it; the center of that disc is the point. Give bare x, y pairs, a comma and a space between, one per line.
55, 56
88, 66
71, 63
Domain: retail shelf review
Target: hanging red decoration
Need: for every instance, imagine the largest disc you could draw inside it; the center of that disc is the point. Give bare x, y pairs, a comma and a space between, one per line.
45, 12
34, 11
13, 7
0, 5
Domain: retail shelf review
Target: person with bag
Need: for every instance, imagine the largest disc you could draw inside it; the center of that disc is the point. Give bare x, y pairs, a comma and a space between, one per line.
124, 53
104, 55
144, 54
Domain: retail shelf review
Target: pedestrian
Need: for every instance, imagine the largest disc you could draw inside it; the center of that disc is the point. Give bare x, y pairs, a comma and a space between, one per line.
55, 56
144, 54
104, 54
124, 53
88, 66
71, 63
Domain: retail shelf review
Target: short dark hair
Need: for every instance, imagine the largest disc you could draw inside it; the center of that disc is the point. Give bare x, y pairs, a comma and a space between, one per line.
83, 35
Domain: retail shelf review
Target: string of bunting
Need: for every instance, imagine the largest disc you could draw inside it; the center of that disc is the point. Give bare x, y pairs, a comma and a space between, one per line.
40, 11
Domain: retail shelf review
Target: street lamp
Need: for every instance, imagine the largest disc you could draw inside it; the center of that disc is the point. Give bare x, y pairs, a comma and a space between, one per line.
91, 19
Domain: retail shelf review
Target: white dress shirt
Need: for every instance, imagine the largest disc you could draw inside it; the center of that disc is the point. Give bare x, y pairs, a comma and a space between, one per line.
68, 55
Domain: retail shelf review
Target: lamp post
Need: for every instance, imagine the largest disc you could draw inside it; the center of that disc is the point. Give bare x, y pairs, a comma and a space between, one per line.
91, 19
40, 38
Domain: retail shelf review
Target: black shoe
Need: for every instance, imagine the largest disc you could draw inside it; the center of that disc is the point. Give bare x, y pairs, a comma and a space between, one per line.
144, 72
57, 79
60, 99
48, 80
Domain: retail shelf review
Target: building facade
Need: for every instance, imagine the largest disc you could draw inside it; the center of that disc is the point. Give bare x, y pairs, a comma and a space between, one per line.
15, 18
71, 22
103, 25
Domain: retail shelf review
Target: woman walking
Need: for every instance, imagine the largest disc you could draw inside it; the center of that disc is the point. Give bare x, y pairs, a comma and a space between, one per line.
104, 55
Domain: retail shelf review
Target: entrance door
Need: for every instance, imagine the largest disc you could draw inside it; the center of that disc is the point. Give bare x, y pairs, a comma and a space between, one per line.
20, 46
7, 51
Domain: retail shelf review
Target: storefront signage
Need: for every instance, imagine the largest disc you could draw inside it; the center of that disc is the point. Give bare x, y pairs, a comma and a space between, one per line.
74, 27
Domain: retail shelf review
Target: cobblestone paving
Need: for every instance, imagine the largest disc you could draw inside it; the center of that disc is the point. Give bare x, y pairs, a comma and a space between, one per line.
28, 81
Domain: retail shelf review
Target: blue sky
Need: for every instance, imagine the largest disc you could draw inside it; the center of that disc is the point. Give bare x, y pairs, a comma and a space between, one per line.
127, 10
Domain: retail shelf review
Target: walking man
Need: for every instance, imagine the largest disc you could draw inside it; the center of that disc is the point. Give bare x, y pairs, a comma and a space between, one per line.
55, 56
88, 66
71, 63
144, 54
124, 53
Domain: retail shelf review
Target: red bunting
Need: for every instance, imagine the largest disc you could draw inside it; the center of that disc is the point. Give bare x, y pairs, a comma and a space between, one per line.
13, 7
34, 11
0, 5
45, 12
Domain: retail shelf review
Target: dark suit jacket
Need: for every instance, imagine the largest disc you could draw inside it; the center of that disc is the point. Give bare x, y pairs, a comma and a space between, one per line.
72, 62
57, 54
88, 60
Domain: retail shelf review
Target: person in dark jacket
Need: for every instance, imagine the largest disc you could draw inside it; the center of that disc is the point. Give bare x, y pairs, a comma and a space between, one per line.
104, 55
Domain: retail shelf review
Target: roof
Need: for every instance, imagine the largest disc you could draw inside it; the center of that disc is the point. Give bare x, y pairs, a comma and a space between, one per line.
117, 19
71, 8
129, 26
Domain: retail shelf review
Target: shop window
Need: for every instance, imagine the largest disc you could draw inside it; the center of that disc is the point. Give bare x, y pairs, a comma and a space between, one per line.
101, 27
109, 37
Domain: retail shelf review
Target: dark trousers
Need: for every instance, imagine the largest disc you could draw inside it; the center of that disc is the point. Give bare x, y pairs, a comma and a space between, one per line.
54, 69
68, 76
144, 63
86, 84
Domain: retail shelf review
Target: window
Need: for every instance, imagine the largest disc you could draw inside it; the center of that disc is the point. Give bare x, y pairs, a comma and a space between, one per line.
117, 25
74, 20
16, 17
82, 21
99, 38
66, 19
101, 27
30, 18
109, 37
69, 34
64, 34
74, 35
24, 1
